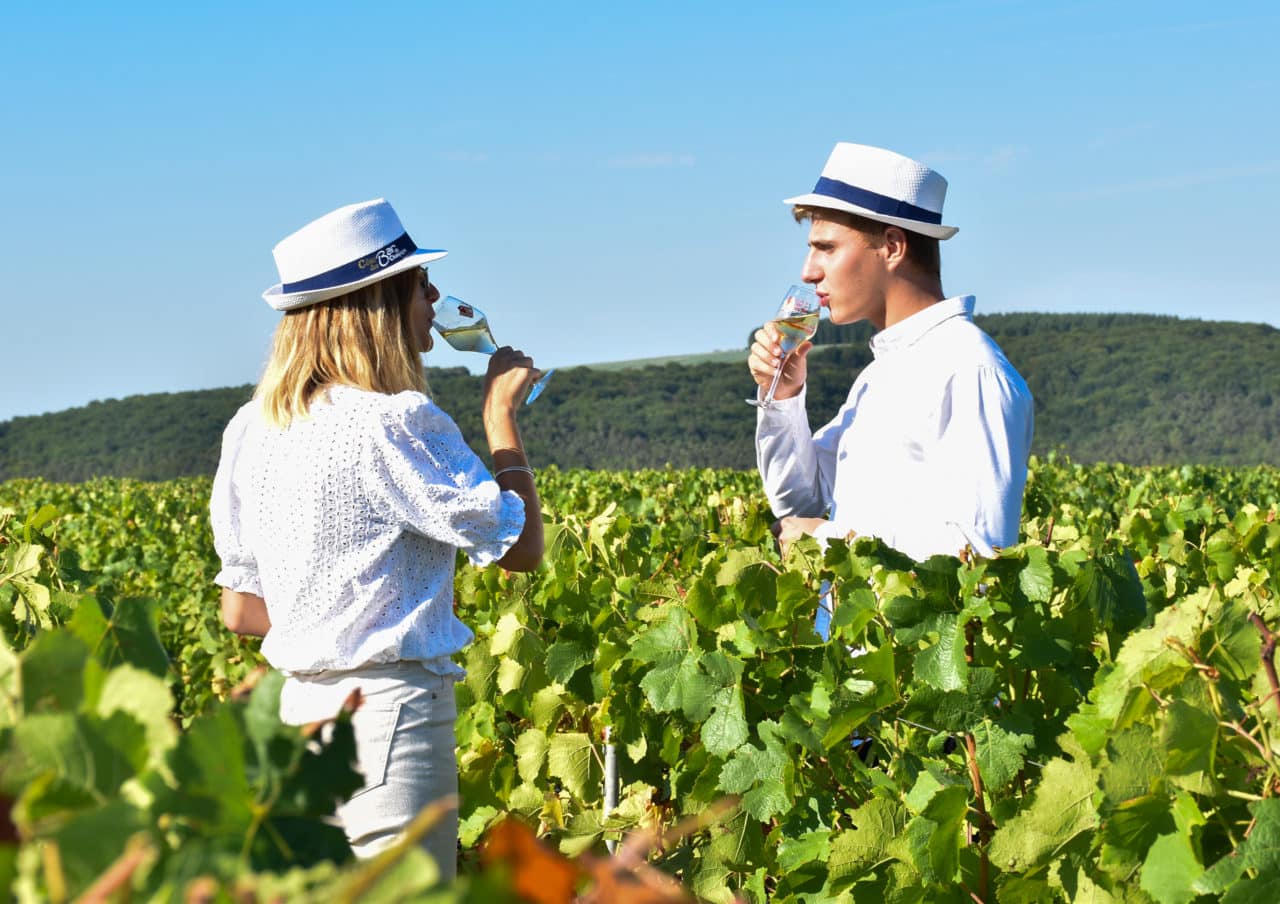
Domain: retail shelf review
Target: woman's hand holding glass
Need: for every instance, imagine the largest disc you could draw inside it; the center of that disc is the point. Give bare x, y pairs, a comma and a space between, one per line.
508, 378
466, 328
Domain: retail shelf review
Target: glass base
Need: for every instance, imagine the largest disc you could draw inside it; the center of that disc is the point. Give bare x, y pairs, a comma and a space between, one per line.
536, 389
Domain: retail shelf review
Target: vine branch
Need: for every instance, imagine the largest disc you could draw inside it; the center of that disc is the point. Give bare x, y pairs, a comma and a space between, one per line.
986, 825
1268, 655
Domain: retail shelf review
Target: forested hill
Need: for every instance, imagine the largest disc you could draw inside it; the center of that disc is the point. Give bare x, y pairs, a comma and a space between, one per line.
1122, 387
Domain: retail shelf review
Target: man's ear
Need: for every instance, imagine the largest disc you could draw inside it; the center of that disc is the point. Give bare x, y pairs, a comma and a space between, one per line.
894, 247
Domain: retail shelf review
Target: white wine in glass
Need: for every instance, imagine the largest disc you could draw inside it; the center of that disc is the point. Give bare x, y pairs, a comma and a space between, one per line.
466, 328
796, 321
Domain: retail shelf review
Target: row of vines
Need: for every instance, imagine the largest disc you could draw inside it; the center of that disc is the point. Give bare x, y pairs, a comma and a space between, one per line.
1092, 715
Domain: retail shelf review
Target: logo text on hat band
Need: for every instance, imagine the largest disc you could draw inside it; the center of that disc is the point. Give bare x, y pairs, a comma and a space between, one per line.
359, 269
383, 257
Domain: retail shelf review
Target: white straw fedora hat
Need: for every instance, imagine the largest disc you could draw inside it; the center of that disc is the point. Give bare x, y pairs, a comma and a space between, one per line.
351, 247
881, 185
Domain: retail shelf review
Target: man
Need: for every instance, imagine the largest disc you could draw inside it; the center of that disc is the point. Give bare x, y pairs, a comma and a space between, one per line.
929, 452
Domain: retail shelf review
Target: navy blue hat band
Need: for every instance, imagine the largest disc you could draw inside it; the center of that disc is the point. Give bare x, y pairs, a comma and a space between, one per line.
874, 201
357, 270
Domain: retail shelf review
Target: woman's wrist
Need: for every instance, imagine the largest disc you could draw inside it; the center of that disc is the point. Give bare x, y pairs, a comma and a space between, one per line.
509, 457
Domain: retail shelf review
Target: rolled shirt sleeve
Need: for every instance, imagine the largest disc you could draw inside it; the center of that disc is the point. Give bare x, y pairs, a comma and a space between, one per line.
797, 468
428, 478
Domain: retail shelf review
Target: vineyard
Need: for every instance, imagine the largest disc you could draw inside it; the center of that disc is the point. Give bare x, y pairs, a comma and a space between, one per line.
1092, 716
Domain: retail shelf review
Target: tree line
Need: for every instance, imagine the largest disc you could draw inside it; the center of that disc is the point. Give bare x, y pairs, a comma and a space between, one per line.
1138, 389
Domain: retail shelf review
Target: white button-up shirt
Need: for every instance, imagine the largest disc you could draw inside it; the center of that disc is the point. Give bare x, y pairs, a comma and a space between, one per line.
928, 453
348, 523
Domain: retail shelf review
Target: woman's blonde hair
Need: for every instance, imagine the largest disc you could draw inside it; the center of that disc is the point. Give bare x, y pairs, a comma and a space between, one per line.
362, 339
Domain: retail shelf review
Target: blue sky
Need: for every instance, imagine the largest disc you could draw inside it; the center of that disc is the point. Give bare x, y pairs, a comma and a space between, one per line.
608, 178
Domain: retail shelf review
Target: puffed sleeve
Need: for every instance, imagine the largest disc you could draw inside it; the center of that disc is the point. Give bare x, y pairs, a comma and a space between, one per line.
984, 440
425, 476
239, 567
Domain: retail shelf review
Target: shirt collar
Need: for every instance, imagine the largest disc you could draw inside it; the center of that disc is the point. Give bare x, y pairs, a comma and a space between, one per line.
906, 333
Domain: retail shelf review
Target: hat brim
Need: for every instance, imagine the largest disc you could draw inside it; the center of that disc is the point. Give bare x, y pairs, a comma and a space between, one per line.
289, 301
934, 231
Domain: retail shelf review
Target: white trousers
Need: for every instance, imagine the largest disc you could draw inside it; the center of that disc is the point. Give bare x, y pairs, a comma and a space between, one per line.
405, 745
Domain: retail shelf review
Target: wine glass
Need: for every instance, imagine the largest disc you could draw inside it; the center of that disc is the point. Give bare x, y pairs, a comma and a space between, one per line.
796, 320
466, 328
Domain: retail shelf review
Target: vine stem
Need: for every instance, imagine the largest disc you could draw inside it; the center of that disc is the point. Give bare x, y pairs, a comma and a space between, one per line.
986, 826
117, 876
1268, 655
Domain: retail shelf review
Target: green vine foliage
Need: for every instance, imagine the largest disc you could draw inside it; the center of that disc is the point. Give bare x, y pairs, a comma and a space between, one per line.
1091, 715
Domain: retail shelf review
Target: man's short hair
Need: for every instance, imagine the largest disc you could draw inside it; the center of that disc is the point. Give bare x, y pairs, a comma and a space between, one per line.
923, 252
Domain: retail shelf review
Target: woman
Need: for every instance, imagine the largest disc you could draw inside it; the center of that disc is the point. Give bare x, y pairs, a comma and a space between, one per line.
341, 497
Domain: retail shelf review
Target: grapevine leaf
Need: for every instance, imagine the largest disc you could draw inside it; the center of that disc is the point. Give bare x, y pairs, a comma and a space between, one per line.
726, 728
1134, 765
471, 827
511, 672
680, 686
531, 753
1147, 653
482, 671
564, 657
1062, 808
1237, 644
1260, 852
856, 607
1036, 578
583, 831
146, 699
123, 633
505, 634
90, 754
926, 786
665, 640
1190, 738
50, 672
856, 698
877, 838
1171, 870
1000, 754
572, 758
758, 774
209, 763
735, 563
767, 799
708, 605
711, 878
957, 711
811, 846
91, 841
546, 706
936, 836
1109, 585
942, 665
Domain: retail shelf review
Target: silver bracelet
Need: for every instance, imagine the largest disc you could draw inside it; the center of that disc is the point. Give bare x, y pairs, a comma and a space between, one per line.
498, 473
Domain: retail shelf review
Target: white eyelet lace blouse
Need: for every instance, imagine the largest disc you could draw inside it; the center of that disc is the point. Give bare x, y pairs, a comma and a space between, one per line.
347, 524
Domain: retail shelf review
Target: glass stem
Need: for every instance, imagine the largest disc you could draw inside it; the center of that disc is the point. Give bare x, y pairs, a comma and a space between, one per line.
777, 375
